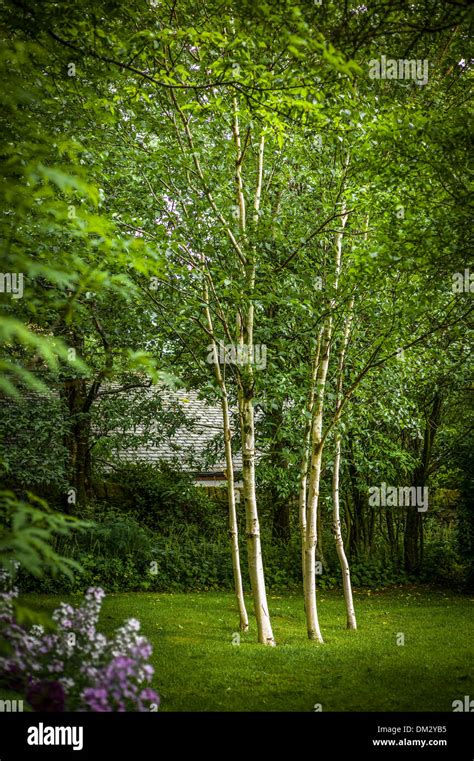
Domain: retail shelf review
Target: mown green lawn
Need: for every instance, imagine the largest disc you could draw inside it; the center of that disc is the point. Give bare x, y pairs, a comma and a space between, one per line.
199, 669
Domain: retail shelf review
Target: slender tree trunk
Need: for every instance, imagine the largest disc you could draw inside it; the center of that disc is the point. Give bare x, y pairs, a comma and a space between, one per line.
309, 580
345, 571
245, 320
77, 441
254, 548
233, 523
246, 381
303, 480
346, 574
79, 400
311, 536
317, 446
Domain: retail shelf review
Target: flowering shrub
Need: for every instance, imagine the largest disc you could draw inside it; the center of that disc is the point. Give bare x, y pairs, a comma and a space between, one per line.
75, 668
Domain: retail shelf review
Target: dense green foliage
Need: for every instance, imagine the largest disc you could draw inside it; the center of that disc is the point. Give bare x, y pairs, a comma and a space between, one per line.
167, 171
162, 533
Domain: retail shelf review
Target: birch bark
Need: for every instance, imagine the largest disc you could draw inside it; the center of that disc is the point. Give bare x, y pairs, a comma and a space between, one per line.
233, 524
245, 322
303, 479
245, 380
343, 562
317, 446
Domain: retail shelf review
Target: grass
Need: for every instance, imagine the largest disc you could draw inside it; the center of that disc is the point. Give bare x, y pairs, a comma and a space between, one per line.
199, 669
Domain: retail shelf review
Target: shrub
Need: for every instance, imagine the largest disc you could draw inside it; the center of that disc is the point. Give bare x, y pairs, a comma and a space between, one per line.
112, 535
162, 497
76, 668
441, 563
282, 561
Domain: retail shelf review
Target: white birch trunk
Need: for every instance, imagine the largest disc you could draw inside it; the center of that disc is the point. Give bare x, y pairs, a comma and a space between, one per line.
311, 537
233, 524
254, 549
343, 562
317, 446
265, 634
245, 323
303, 480
345, 571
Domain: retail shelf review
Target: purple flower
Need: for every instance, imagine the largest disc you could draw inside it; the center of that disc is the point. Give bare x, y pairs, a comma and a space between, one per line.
148, 694
96, 699
76, 667
142, 649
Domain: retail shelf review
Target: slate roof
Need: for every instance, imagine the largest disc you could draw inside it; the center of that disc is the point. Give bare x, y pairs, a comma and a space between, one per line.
188, 446
197, 447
